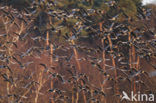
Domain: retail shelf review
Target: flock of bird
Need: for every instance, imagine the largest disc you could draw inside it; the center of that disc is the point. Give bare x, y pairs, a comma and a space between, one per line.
110, 43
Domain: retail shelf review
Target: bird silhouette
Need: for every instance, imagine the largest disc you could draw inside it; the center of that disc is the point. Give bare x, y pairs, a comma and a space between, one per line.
125, 96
